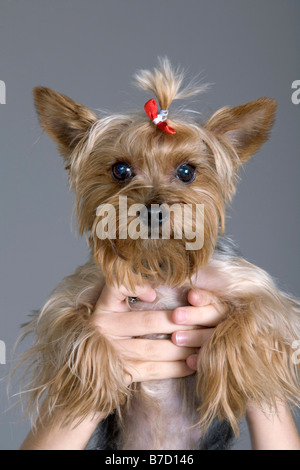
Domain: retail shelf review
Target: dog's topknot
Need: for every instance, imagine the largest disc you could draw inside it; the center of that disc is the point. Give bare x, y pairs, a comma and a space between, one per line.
165, 82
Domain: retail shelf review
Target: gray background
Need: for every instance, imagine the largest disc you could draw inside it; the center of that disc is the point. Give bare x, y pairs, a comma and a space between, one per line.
90, 50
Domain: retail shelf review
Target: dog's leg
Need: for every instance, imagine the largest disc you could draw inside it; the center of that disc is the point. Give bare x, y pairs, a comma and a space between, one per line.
249, 358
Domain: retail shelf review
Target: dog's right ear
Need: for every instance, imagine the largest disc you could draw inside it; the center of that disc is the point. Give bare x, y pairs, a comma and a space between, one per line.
62, 118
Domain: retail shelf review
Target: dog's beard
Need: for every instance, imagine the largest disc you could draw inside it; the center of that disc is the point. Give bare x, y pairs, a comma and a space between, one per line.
136, 262
170, 258
169, 261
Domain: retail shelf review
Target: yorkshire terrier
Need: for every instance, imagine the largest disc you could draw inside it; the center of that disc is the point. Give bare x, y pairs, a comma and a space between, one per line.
154, 160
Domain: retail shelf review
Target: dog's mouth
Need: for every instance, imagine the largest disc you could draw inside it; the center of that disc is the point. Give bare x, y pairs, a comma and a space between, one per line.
158, 247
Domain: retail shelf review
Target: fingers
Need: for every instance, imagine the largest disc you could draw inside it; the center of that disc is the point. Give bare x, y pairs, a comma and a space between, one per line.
137, 323
113, 299
147, 359
145, 371
159, 350
206, 310
190, 326
192, 362
192, 338
167, 360
200, 297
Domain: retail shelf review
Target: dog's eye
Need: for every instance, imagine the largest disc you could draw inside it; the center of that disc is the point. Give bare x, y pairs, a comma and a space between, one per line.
186, 173
121, 171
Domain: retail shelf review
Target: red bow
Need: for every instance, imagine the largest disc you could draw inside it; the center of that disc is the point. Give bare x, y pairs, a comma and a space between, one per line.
158, 119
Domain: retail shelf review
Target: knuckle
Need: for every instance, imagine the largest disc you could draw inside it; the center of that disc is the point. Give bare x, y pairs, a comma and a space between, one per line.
149, 349
99, 322
152, 370
221, 308
209, 298
151, 322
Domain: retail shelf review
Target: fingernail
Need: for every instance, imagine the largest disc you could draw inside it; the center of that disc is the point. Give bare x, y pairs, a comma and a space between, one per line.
181, 315
192, 362
180, 338
198, 297
195, 297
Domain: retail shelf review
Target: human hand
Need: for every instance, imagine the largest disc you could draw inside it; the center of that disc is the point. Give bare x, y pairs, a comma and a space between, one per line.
204, 314
144, 359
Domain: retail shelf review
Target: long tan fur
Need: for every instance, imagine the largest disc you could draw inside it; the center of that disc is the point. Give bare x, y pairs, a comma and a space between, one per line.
74, 367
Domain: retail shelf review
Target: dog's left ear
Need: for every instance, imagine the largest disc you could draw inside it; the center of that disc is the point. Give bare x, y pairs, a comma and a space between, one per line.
62, 118
247, 126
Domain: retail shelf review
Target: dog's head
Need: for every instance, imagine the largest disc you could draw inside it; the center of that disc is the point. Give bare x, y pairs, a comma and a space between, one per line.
141, 191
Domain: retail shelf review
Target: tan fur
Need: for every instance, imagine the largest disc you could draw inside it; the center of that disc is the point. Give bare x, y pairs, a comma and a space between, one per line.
74, 367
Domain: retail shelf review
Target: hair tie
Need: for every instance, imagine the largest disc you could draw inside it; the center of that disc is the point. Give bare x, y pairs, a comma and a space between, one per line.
160, 118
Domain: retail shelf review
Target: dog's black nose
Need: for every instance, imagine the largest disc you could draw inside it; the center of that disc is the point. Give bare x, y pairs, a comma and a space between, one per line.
156, 215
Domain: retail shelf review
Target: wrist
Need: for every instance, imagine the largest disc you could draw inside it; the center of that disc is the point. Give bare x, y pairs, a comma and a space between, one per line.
48, 436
